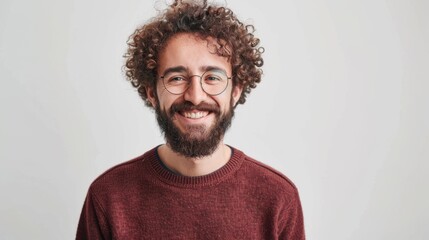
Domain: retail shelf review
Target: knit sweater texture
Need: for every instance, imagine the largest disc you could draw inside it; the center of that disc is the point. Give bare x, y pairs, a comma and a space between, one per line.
141, 199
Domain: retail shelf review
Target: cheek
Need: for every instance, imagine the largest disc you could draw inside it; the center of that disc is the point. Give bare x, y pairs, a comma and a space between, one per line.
165, 100
224, 102
162, 97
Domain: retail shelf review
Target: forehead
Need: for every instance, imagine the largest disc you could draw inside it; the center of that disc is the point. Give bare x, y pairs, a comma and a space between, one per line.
192, 53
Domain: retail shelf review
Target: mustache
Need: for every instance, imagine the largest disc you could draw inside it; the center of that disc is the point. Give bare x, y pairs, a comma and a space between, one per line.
188, 106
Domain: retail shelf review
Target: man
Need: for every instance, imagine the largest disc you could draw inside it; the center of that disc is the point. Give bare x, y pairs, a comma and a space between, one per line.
193, 64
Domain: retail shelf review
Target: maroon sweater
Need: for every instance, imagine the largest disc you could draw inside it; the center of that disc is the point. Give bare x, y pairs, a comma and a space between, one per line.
141, 199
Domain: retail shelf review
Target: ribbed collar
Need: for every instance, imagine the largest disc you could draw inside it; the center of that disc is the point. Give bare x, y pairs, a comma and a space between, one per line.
213, 178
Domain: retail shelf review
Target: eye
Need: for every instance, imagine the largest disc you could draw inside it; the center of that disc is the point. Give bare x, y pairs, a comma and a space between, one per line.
213, 78
176, 79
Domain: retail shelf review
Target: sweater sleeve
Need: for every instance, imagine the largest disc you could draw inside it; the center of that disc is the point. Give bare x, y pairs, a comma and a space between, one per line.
292, 224
92, 223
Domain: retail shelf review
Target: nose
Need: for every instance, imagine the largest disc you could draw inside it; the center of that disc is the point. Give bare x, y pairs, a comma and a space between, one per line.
195, 94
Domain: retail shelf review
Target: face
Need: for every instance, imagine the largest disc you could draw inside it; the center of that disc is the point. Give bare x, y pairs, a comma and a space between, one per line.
194, 122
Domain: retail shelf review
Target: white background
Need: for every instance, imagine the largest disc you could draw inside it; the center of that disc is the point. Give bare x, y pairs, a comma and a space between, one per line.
342, 110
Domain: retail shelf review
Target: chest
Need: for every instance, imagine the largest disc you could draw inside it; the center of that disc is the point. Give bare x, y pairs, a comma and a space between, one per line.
220, 213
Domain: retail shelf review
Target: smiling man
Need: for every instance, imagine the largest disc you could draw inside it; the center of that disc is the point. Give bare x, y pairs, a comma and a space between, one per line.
193, 64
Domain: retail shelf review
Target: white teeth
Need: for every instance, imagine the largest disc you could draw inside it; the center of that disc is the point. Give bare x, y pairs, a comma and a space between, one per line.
195, 115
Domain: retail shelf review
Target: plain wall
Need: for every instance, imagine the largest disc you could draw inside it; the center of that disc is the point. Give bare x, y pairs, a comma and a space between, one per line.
342, 110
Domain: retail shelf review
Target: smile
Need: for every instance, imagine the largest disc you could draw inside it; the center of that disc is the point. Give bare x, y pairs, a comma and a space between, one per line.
194, 115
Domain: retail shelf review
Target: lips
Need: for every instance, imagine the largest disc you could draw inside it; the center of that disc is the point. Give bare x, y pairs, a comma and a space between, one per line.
191, 111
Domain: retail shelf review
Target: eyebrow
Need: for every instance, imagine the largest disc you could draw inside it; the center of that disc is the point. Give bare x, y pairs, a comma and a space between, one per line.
182, 69
174, 69
213, 68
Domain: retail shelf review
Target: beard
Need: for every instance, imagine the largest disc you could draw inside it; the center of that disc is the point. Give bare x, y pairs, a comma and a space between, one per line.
197, 141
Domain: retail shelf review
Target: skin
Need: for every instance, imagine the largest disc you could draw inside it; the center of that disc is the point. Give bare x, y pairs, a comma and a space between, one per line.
195, 55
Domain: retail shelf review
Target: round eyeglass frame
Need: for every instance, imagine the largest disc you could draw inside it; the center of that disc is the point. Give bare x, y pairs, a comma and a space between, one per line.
201, 84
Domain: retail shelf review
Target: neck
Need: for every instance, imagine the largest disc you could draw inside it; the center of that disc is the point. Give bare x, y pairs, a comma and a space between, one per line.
194, 166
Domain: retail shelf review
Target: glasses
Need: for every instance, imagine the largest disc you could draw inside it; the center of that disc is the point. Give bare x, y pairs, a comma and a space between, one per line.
213, 82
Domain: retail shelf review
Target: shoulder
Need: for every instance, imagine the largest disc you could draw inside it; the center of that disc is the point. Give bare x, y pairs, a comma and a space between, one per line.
267, 176
121, 170
122, 176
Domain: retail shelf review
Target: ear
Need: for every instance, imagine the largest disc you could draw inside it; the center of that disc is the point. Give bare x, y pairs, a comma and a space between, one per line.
236, 93
151, 96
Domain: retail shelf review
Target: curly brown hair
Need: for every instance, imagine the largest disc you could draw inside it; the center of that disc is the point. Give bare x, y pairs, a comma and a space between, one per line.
235, 41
